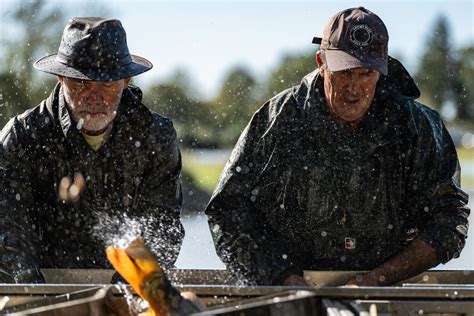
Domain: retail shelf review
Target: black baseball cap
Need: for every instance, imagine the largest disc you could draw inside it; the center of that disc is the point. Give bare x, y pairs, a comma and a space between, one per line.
355, 37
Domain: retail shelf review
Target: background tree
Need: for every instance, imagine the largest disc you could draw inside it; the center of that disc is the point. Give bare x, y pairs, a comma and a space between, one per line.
288, 73
464, 84
234, 105
437, 74
446, 76
175, 99
37, 32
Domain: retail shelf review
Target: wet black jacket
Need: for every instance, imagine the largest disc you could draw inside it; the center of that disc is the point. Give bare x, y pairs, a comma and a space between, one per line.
132, 186
301, 192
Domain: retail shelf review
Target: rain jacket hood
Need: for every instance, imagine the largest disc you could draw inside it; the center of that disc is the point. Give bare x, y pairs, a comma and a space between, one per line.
132, 187
302, 192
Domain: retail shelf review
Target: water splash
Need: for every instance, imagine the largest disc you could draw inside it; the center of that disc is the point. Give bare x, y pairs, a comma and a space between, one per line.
118, 229
135, 304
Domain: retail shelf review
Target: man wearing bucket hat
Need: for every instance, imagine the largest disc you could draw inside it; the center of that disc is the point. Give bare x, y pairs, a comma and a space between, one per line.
88, 163
345, 171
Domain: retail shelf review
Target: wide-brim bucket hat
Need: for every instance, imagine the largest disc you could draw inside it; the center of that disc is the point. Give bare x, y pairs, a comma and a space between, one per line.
93, 48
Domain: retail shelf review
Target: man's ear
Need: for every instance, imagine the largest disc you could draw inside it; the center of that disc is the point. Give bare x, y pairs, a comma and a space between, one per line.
60, 79
320, 62
126, 81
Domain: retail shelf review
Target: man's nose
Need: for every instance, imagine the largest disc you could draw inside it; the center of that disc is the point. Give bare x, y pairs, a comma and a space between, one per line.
353, 87
94, 91
93, 86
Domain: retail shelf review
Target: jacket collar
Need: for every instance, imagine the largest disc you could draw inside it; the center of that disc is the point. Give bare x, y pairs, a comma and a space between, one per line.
63, 114
382, 119
309, 96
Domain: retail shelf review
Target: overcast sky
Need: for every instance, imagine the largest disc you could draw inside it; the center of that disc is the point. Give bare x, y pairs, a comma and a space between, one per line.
208, 38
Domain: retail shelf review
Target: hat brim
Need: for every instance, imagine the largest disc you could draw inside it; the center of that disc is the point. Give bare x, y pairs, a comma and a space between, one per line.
50, 65
338, 60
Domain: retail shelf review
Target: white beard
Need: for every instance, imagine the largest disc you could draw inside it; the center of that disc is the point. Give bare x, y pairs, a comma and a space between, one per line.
95, 124
80, 113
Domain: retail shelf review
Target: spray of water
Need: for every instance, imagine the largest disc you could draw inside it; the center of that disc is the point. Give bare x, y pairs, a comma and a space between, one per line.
118, 229
135, 304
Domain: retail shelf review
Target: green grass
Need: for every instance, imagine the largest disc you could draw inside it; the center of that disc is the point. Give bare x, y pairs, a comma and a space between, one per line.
466, 157
466, 154
205, 175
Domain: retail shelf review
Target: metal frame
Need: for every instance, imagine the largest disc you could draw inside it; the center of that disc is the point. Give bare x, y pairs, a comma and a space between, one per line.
263, 300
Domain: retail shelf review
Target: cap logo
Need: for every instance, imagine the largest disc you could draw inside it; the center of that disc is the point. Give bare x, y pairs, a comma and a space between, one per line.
361, 35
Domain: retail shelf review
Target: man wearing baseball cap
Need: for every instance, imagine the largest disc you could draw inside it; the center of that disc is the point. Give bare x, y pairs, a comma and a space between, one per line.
345, 171
88, 163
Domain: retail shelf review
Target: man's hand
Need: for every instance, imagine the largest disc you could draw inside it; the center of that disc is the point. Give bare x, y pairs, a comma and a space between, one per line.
368, 279
70, 190
413, 260
294, 280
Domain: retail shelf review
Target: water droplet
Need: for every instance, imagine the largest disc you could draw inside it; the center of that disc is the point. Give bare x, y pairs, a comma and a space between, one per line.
80, 124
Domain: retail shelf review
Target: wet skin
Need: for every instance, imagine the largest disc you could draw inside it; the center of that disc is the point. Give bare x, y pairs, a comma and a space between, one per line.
93, 104
349, 93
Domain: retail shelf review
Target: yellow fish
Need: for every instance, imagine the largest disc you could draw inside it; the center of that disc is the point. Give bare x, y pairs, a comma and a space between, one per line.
137, 264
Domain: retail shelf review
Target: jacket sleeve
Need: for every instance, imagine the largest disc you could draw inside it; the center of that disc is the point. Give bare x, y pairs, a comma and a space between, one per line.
242, 237
436, 194
19, 248
161, 195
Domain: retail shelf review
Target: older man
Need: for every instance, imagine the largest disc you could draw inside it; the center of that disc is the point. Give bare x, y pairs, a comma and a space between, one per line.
87, 161
344, 172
